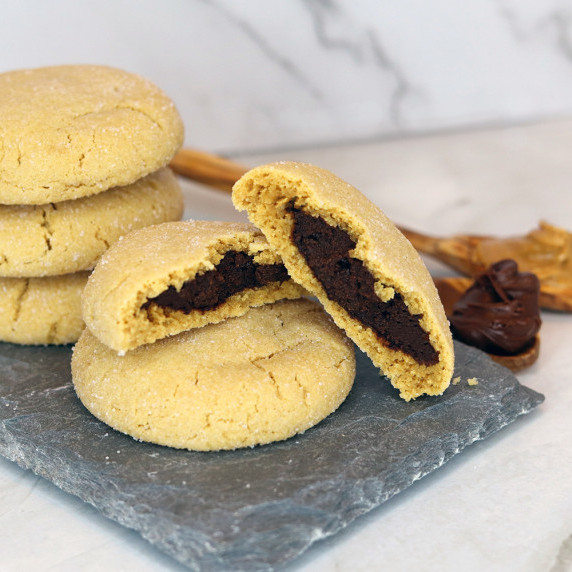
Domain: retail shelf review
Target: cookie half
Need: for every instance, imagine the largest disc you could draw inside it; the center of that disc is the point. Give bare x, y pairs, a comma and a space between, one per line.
77, 130
66, 237
163, 279
265, 376
41, 311
368, 276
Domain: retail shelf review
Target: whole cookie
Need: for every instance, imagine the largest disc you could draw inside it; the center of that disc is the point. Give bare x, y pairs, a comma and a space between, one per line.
66, 237
344, 250
163, 279
262, 377
72, 131
41, 311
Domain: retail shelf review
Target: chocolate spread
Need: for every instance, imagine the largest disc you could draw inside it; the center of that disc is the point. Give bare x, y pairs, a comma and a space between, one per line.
347, 282
499, 312
235, 272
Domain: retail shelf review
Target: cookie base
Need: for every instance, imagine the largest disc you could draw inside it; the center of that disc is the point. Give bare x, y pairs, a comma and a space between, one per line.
42, 311
266, 376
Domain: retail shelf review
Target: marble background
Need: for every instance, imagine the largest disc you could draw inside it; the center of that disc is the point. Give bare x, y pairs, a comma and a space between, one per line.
255, 75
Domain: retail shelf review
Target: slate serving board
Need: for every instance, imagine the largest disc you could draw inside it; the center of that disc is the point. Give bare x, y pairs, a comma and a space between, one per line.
253, 509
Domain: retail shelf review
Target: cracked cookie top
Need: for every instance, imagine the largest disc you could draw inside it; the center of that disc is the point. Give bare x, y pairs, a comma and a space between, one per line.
265, 376
77, 130
59, 238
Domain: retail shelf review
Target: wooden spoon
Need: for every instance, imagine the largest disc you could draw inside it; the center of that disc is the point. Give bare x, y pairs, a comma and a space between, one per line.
545, 251
208, 169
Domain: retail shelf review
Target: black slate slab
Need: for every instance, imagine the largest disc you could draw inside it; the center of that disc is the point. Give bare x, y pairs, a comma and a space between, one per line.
253, 509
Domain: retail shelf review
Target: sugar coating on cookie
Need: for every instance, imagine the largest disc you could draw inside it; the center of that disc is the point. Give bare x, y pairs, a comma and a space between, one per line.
265, 376
344, 250
66, 237
77, 130
163, 279
41, 311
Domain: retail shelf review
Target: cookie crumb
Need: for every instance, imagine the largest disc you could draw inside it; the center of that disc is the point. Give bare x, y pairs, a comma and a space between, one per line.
456, 380
473, 381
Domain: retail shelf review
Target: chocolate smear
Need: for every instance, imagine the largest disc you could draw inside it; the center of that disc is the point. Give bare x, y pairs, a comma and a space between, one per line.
499, 313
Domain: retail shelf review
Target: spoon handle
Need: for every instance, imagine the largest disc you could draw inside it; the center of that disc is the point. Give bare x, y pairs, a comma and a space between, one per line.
203, 167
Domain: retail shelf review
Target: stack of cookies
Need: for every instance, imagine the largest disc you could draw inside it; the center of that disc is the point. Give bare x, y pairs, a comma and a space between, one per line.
198, 338
190, 343
83, 155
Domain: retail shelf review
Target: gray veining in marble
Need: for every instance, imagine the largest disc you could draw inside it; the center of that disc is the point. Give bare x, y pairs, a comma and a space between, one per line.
259, 508
252, 75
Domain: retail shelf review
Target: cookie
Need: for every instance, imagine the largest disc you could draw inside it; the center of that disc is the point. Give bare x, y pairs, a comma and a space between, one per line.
66, 237
41, 311
77, 130
344, 250
163, 279
264, 376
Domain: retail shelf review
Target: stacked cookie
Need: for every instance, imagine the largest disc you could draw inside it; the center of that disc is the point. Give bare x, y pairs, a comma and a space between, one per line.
190, 343
83, 161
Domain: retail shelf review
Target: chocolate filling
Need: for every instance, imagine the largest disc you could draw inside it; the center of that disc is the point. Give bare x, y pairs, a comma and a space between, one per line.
235, 272
347, 282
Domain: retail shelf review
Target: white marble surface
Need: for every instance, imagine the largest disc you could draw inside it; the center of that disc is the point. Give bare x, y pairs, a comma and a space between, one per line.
504, 504
259, 74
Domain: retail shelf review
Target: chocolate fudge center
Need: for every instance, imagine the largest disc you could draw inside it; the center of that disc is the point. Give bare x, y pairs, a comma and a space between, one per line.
348, 282
235, 272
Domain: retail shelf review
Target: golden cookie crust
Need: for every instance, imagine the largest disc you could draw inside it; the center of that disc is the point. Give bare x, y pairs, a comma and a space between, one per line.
265, 376
146, 262
77, 130
66, 237
41, 311
266, 194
